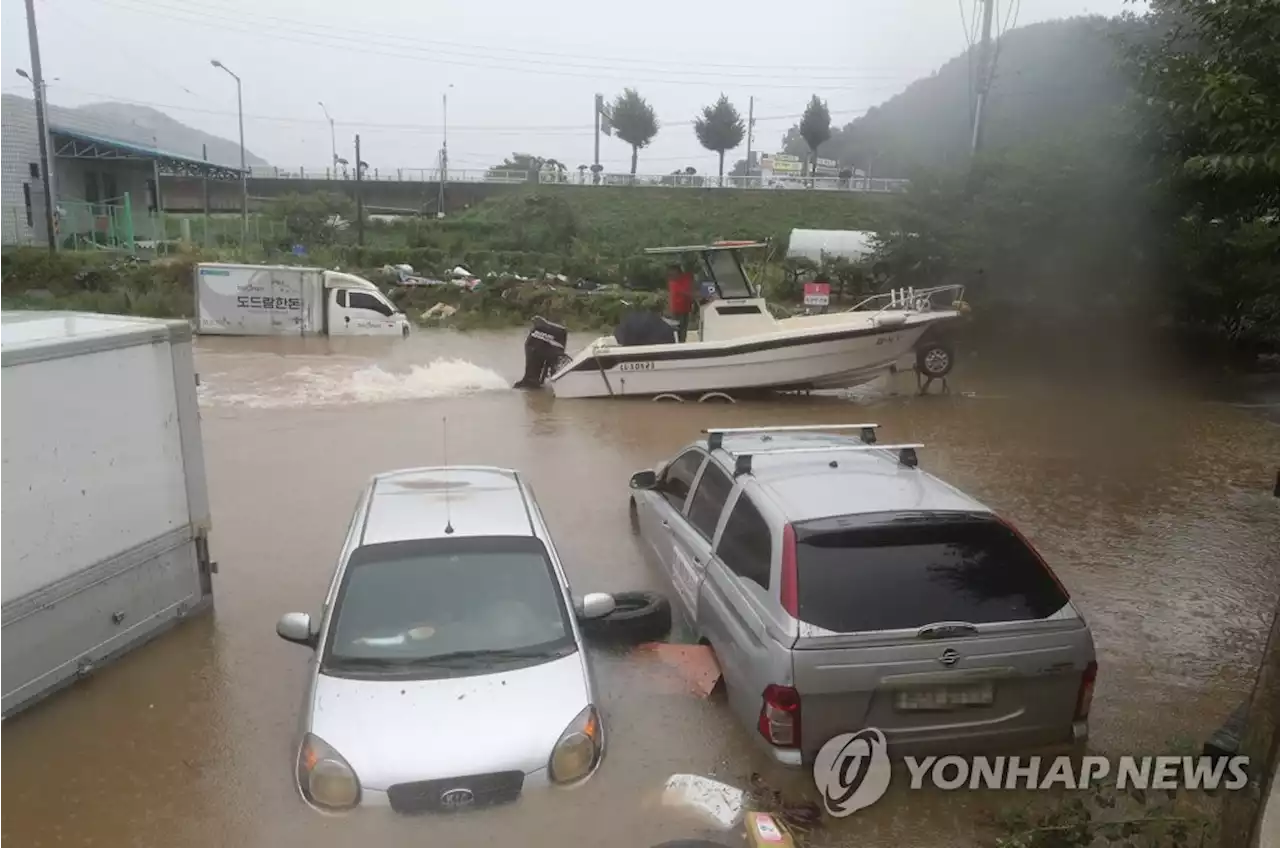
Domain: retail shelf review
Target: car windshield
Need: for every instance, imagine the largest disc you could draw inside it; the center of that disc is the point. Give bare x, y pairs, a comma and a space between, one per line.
912, 571
477, 600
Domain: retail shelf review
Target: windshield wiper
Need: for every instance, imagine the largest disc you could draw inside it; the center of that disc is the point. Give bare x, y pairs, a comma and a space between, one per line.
365, 662
499, 653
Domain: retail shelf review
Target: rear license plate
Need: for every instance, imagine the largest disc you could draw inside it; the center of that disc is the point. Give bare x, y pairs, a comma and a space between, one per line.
946, 697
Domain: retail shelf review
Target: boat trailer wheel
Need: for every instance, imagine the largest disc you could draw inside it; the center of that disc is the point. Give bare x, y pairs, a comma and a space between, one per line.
935, 360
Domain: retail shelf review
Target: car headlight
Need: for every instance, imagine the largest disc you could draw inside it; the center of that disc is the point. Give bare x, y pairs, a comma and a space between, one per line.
326, 778
578, 750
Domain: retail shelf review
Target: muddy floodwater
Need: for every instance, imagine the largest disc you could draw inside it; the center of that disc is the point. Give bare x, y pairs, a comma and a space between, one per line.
1151, 500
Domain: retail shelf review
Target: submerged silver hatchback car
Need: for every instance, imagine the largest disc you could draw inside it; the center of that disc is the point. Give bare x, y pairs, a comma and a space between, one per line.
449, 671
843, 588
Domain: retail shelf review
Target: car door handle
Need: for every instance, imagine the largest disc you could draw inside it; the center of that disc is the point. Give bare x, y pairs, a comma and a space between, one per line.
666, 524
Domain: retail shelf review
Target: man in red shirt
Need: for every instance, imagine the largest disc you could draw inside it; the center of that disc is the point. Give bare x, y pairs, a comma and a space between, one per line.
680, 297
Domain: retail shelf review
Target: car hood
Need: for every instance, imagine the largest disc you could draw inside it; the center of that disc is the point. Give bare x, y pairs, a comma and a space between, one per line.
399, 731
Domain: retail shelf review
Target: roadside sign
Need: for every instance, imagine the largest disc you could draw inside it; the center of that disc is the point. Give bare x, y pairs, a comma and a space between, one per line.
817, 294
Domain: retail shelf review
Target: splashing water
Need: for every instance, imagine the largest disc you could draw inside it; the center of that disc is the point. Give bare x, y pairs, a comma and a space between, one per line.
339, 386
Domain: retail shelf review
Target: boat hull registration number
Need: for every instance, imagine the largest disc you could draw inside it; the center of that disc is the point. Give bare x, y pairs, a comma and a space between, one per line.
636, 366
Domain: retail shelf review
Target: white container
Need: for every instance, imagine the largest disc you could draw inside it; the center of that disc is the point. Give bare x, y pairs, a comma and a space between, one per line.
105, 508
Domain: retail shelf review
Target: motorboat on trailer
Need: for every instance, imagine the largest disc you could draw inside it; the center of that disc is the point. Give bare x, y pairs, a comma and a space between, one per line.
741, 347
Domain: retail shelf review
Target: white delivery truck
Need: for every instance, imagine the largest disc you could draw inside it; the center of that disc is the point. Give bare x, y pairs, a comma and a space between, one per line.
279, 300
105, 510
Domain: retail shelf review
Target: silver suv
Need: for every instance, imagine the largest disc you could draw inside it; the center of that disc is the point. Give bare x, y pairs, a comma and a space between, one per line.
842, 588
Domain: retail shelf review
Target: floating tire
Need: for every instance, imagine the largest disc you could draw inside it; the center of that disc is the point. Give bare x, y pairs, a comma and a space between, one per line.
637, 617
935, 359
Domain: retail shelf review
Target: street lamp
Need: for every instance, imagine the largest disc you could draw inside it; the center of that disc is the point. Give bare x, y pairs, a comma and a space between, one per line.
41, 96
444, 149
244, 172
333, 140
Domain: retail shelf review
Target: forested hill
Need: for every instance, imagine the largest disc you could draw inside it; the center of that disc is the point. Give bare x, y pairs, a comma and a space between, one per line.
1052, 80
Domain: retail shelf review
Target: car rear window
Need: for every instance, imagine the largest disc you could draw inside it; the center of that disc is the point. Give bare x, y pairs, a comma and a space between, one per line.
909, 571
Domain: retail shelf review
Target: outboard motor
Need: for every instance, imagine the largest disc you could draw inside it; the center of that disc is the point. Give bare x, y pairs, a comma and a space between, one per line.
644, 328
543, 348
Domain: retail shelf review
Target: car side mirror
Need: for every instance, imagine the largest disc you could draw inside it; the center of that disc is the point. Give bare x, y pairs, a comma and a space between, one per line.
296, 627
646, 479
594, 605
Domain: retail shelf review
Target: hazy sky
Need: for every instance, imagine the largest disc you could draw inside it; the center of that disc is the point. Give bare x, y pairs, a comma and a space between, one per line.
521, 75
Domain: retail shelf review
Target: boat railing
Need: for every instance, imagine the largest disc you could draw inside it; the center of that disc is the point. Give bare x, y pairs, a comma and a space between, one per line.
918, 300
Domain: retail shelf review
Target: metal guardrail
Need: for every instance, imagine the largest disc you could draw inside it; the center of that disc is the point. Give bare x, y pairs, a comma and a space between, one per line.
585, 178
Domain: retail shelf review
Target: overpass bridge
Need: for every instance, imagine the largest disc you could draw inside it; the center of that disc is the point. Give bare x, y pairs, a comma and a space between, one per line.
417, 190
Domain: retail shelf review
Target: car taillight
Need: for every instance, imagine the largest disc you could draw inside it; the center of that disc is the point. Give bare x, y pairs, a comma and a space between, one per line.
787, 592
1084, 699
780, 716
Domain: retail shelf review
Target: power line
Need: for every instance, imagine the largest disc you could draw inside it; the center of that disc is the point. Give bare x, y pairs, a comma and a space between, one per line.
474, 58
135, 57
549, 129
517, 54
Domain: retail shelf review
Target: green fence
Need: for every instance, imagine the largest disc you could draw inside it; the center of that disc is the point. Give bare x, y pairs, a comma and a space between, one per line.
117, 225
97, 226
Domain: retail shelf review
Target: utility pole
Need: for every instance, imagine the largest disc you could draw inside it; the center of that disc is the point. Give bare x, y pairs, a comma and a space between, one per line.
985, 74
444, 152
751, 125
333, 139
359, 199
42, 126
204, 154
599, 104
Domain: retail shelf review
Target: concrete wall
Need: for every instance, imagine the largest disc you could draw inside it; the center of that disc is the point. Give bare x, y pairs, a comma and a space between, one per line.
185, 194
19, 151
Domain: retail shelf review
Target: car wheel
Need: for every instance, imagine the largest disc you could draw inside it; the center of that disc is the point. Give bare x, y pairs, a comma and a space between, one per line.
637, 617
935, 359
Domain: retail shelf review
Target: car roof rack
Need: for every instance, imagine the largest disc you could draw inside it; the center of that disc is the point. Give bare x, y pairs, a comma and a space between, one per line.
715, 436
906, 454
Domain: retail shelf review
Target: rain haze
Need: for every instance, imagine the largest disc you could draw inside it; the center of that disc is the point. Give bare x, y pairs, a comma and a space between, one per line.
519, 76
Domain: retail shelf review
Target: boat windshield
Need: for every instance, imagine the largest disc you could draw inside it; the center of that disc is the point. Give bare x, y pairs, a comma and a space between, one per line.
725, 269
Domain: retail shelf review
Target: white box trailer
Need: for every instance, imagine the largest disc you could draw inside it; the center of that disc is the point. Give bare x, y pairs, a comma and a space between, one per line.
288, 300
105, 508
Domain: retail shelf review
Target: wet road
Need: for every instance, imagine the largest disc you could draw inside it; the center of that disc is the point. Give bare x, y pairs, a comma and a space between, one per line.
1153, 505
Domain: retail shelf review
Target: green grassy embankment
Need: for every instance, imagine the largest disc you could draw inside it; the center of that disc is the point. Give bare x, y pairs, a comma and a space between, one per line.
597, 234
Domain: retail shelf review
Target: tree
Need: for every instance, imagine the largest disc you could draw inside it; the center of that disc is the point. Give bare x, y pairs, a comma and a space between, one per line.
815, 127
633, 120
720, 128
313, 219
1211, 76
